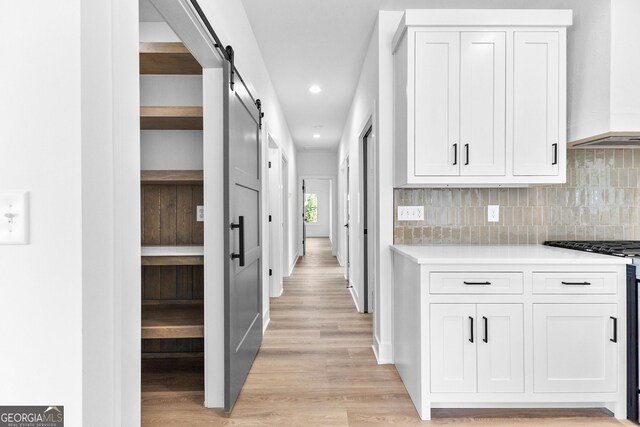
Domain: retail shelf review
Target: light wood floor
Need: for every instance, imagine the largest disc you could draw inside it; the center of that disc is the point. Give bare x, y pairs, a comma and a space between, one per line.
316, 368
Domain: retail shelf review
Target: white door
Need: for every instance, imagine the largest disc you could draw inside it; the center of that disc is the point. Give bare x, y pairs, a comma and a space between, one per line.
536, 103
453, 348
482, 103
575, 347
500, 348
436, 120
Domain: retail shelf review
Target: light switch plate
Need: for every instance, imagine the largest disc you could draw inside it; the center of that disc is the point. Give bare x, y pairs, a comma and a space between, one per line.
14, 218
200, 213
410, 213
493, 213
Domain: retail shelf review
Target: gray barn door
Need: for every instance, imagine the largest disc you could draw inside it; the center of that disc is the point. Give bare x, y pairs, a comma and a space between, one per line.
243, 280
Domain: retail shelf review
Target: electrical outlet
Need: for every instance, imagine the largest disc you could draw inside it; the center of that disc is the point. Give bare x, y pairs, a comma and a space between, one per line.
200, 213
410, 213
493, 213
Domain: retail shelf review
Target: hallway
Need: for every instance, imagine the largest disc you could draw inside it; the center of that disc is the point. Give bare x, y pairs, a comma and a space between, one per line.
316, 368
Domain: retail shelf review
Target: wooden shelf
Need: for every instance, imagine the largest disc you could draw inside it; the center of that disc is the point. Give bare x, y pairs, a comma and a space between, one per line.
176, 355
172, 301
172, 255
171, 118
173, 321
171, 177
167, 58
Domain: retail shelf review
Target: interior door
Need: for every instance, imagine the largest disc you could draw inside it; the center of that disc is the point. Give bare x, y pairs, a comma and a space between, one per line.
500, 348
243, 279
483, 103
453, 348
437, 98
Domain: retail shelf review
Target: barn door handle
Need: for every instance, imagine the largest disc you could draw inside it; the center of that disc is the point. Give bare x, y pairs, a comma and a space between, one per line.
486, 329
240, 227
471, 328
615, 329
555, 154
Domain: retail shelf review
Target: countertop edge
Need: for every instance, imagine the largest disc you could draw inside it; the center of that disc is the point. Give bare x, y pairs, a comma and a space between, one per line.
575, 257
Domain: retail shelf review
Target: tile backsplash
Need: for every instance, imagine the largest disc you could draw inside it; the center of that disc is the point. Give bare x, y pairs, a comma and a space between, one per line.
601, 200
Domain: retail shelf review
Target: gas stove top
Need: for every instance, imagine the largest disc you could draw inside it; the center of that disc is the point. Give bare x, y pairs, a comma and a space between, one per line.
622, 248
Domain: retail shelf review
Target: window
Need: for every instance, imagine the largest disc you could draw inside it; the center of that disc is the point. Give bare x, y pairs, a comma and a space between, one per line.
311, 207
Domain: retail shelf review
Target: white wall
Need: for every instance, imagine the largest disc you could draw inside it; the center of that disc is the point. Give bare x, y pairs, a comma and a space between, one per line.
58, 294
41, 290
317, 163
321, 187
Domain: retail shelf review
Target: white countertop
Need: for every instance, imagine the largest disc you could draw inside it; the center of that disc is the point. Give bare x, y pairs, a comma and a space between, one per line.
172, 250
502, 254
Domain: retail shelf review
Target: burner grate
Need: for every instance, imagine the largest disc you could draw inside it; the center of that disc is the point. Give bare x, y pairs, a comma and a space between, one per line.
625, 248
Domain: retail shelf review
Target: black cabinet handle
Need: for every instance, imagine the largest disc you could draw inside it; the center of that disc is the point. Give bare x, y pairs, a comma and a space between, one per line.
346, 225
466, 149
240, 227
477, 283
455, 154
471, 327
486, 329
615, 329
576, 283
555, 154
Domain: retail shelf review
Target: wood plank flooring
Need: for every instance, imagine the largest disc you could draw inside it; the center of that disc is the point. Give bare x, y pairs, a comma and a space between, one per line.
316, 368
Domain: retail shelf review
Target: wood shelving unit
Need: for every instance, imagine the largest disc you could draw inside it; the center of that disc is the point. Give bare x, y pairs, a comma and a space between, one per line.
172, 238
171, 177
167, 58
171, 118
173, 321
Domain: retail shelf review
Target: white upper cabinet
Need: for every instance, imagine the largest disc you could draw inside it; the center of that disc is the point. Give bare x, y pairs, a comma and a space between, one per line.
536, 104
437, 115
482, 103
480, 98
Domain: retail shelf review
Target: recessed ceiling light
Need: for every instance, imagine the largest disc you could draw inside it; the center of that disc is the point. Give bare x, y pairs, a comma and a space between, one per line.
316, 135
315, 89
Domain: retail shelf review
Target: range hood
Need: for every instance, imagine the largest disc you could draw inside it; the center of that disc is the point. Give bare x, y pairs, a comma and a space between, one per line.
617, 125
609, 140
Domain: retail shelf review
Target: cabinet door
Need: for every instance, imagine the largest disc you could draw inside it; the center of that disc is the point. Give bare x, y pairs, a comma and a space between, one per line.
482, 103
573, 348
436, 115
453, 347
536, 103
500, 348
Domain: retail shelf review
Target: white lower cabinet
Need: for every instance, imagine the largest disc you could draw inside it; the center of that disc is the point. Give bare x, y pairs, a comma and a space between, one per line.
500, 348
520, 333
477, 348
575, 347
453, 348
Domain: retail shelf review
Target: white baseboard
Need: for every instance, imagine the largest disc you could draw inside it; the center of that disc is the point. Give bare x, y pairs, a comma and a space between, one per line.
354, 295
292, 266
383, 352
266, 319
